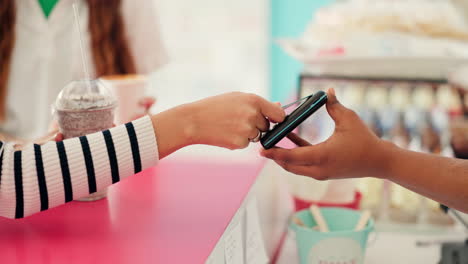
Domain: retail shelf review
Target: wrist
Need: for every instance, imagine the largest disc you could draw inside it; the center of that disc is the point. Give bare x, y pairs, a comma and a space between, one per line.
385, 154
192, 116
184, 116
174, 129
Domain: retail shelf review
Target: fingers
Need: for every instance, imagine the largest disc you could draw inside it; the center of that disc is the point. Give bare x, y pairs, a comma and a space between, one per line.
59, 137
44, 139
298, 156
272, 111
254, 134
334, 107
309, 171
296, 139
147, 102
262, 124
53, 126
239, 143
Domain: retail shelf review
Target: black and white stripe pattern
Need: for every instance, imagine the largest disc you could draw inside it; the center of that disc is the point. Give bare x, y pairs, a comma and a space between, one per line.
19, 212
41, 180
135, 149
89, 164
41, 177
112, 156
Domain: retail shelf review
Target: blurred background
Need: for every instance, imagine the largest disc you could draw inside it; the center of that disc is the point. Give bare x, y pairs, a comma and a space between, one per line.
221, 46
214, 47
402, 65
399, 64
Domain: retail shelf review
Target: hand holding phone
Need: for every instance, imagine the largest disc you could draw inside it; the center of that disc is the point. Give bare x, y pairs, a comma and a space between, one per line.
304, 111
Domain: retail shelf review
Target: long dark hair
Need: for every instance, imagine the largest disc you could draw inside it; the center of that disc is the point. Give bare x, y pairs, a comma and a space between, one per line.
109, 46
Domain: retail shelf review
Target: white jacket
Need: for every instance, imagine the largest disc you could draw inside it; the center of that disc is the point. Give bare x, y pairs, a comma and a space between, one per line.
47, 56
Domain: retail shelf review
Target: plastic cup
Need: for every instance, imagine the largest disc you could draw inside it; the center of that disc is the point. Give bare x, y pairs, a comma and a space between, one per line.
341, 245
85, 107
128, 90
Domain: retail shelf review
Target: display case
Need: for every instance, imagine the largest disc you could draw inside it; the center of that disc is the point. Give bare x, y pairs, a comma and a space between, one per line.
413, 113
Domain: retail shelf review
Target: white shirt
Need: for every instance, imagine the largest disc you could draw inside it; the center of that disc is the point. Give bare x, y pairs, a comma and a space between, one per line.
47, 56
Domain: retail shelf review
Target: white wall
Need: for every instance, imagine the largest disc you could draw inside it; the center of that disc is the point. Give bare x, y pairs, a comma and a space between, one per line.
215, 46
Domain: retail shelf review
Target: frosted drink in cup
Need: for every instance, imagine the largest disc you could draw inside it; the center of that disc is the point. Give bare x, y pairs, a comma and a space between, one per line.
84, 107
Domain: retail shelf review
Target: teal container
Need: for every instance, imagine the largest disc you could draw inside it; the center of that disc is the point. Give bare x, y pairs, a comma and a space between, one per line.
341, 245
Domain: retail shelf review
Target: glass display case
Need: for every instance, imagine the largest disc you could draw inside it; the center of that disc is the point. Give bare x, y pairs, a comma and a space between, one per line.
413, 113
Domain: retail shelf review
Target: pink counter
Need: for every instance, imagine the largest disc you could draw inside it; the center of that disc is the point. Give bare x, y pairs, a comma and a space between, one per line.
174, 213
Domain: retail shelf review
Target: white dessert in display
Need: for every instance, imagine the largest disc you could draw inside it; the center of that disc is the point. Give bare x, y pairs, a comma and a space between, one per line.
400, 96
447, 98
353, 96
423, 96
377, 97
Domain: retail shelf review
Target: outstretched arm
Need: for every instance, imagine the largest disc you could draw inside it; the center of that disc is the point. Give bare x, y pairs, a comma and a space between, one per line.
40, 177
37, 177
353, 151
442, 179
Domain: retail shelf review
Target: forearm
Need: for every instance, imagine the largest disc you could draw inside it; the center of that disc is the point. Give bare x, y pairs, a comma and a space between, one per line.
41, 177
442, 179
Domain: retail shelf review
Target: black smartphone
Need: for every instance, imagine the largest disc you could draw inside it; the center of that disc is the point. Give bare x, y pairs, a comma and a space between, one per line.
299, 115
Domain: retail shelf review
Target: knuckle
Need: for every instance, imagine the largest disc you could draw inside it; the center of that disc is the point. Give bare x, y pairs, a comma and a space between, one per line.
351, 113
252, 98
231, 147
274, 156
282, 115
251, 117
242, 144
284, 157
265, 125
239, 143
245, 130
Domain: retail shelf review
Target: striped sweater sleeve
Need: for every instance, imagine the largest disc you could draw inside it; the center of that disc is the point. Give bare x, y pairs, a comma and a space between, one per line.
41, 177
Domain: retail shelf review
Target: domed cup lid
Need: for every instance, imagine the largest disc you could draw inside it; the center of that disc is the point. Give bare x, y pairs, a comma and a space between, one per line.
85, 95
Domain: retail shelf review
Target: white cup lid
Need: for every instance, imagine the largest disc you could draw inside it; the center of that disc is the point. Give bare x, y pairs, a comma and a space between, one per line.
85, 95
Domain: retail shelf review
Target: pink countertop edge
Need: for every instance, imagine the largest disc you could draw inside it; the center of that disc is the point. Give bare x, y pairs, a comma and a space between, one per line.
173, 213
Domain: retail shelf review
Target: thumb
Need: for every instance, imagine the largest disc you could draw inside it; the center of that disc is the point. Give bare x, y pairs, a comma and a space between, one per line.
334, 107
